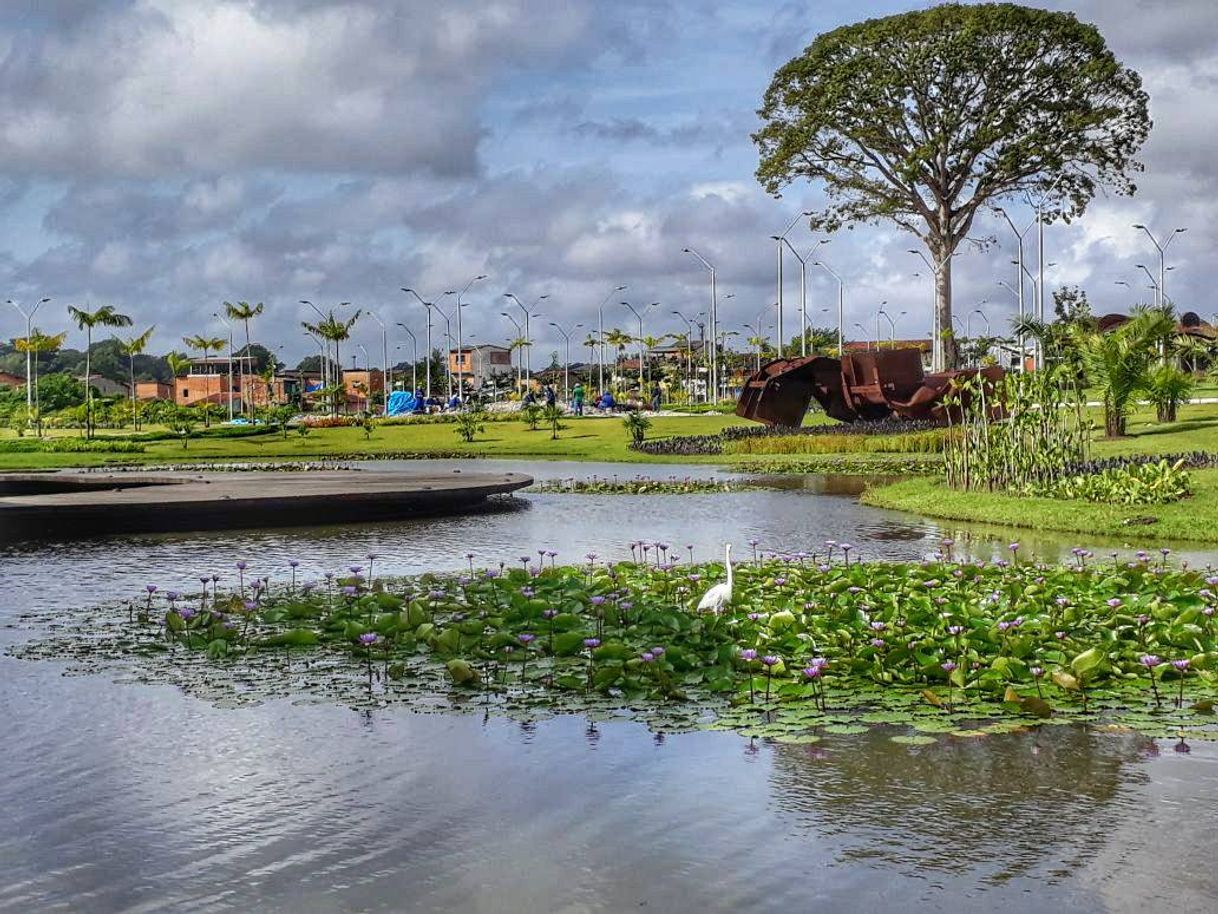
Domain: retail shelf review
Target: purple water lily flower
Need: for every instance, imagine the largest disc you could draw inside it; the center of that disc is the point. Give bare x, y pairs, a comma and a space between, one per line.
1182, 664
367, 639
771, 660
350, 590
1150, 661
658, 651
151, 588
647, 657
949, 667
525, 638
748, 654
592, 643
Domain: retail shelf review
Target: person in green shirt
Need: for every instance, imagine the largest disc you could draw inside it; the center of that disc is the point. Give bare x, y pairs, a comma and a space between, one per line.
577, 399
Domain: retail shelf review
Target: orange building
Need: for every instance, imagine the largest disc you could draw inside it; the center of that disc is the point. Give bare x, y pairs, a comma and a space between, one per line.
479, 364
362, 385
153, 390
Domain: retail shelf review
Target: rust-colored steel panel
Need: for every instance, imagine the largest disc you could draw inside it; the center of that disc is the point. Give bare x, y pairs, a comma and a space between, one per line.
864, 386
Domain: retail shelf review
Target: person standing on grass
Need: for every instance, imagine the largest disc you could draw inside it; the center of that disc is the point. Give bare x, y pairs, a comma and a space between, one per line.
655, 398
577, 398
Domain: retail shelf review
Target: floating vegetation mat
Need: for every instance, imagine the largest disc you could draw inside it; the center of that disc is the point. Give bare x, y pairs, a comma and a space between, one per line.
640, 485
806, 645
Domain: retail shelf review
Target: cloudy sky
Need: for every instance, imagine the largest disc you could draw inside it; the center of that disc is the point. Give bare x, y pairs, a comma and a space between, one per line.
165, 155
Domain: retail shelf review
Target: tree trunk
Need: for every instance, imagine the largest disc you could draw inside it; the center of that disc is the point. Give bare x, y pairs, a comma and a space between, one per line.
1167, 412
88, 386
1114, 422
943, 308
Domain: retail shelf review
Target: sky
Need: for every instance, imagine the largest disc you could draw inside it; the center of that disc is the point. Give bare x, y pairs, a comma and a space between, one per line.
164, 156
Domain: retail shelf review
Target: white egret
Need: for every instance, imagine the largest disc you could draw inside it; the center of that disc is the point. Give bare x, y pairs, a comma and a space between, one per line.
719, 596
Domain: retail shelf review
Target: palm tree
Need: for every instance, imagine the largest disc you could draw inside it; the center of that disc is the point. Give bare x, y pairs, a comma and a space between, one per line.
519, 343
36, 344
131, 347
245, 312
619, 340
333, 330
105, 316
1117, 362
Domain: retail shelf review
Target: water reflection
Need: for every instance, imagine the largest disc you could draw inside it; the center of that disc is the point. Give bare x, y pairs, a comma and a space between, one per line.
1000, 808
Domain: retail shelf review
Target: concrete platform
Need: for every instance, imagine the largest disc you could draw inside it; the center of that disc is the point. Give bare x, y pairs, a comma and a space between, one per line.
68, 503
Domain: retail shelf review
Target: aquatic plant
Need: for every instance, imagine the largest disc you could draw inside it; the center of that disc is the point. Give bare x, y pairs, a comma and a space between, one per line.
942, 646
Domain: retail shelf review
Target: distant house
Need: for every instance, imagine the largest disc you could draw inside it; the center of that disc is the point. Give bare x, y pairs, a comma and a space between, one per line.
480, 364
105, 386
11, 380
153, 390
360, 385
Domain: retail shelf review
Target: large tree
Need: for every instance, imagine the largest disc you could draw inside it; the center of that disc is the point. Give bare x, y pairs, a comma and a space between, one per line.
925, 117
105, 316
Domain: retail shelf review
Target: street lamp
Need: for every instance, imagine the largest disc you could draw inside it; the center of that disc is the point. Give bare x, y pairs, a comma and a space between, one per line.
714, 321
600, 333
29, 332
387, 377
519, 337
428, 305
862, 330
218, 316
689, 350
878, 314
566, 362
448, 336
325, 360
1162, 249
780, 239
841, 307
803, 288
1020, 268
528, 343
635, 312
936, 354
1153, 284
414, 353
460, 345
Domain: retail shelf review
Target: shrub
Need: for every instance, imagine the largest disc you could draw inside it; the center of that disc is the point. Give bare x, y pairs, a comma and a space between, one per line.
636, 425
470, 424
552, 414
1166, 387
71, 446
1152, 483
917, 443
531, 414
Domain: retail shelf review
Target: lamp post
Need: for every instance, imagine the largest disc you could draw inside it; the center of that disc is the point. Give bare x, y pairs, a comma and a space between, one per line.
414, 352
635, 312
803, 288
1162, 249
528, 343
1019, 268
863, 330
460, 344
387, 377
600, 335
218, 316
1153, 284
566, 362
428, 305
448, 336
878, 314
29, 332
780, 238
520, 357
841, 307
689, 350
325, 361
713, 316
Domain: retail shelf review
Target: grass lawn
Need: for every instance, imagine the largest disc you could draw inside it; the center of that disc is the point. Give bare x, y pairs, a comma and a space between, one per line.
580, 439
1195, 518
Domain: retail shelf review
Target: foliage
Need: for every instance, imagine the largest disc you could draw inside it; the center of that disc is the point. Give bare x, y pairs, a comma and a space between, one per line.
924, 118
1166, 387
1149, 483
470, 424
552, 414
636, 426
1019, 434
1117, 362
182, 424
809, 642
915, 443
71, 446
531, 414
367, 424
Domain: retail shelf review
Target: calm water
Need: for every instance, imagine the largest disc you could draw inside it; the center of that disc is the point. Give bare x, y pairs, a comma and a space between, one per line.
120, 797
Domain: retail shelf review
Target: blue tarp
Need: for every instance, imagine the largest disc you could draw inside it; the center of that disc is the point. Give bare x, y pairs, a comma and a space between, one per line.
401, 403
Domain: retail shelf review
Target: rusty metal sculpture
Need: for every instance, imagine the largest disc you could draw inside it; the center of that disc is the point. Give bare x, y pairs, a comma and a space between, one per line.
865, 386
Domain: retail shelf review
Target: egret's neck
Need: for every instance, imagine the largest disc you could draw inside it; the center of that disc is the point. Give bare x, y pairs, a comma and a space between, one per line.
728, 562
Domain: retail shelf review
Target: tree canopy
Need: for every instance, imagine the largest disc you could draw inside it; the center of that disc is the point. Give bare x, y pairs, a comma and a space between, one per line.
925, 117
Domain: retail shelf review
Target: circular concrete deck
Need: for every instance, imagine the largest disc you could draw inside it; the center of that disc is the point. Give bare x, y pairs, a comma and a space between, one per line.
73, 504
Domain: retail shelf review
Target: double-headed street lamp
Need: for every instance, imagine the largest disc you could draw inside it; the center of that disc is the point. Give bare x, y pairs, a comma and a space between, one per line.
841, 307
689, 350
528, 342
600, 334
780, 238
636, 313
713, 316
428, 305
1162, 249
414, 362
803, 287
460, 344
387, 376
519, 339
29, 332
566, 362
